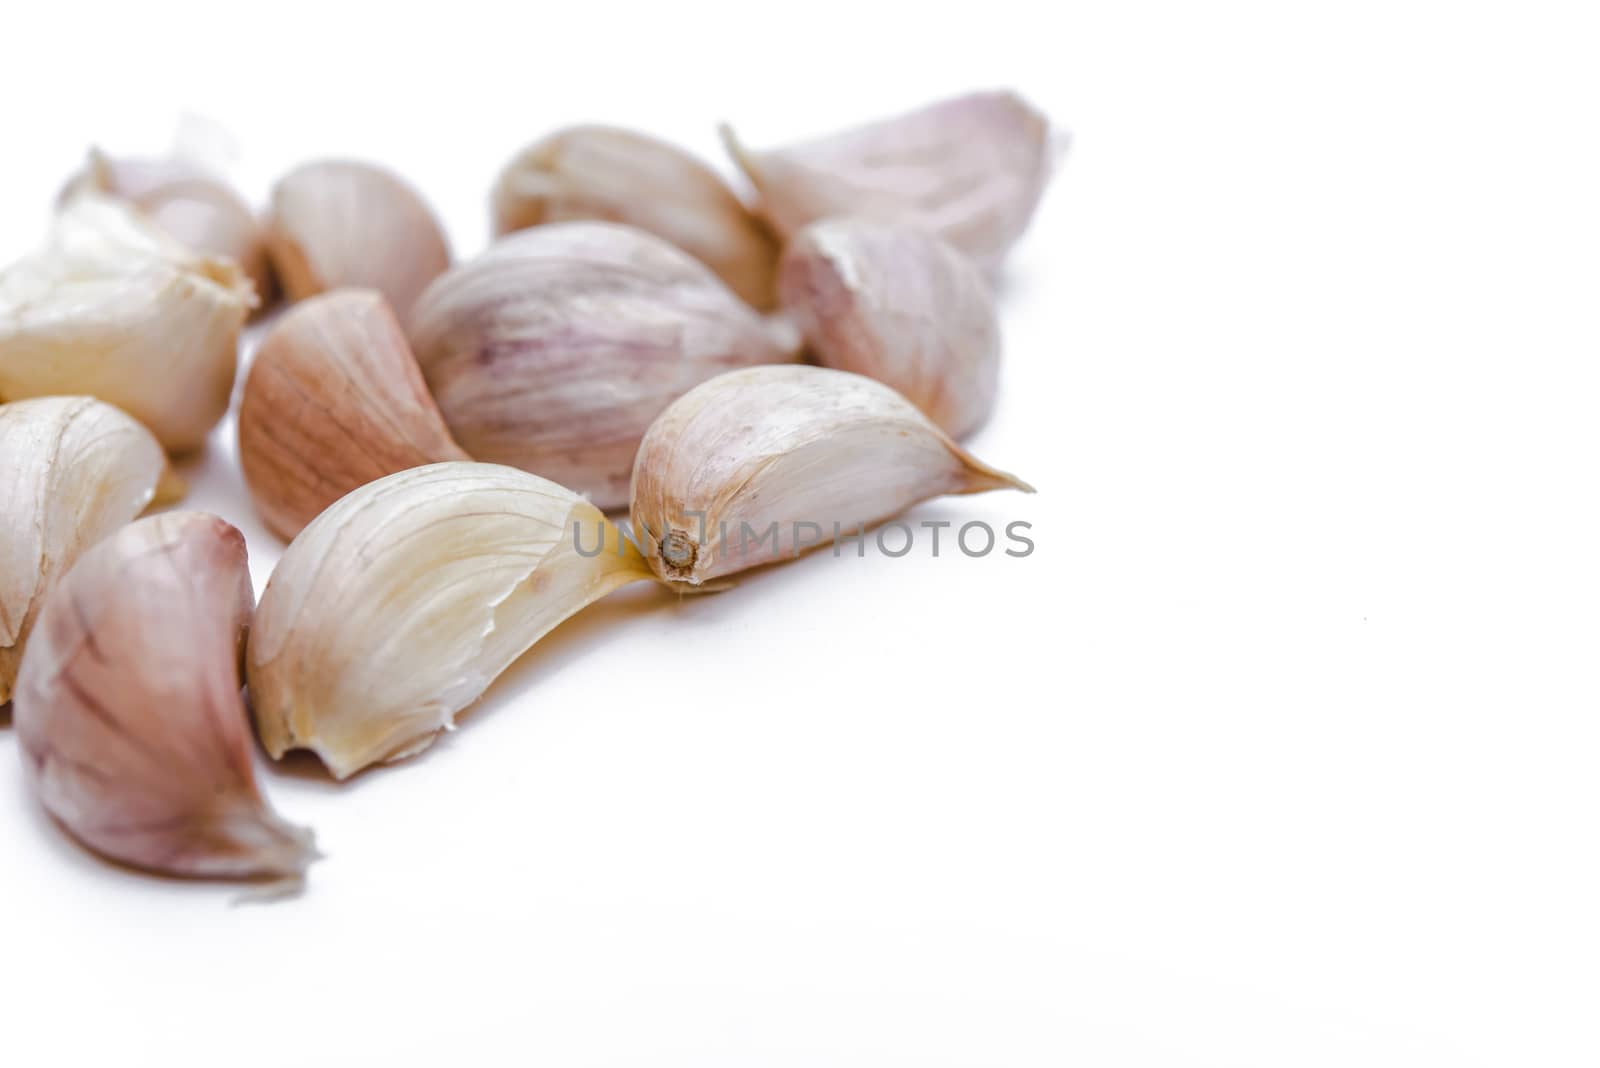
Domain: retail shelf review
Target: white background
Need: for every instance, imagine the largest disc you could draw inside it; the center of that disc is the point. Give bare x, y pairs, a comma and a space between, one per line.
1280, 750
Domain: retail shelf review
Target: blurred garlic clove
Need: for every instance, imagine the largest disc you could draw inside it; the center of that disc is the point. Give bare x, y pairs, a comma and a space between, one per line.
114, 308
971, 169
603, 173
72, 470
731, 474
128, 706
333, 400
192, 205
554, 349
893, 302
398, 606
342, 223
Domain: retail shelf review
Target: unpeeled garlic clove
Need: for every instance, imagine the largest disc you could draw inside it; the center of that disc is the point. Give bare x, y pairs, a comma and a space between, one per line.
72, 470
114, 308
971, 169
343, 223
554, 349
603, 173
398, 606
777, 450
893, 302
194, 206
333, 400
128, 706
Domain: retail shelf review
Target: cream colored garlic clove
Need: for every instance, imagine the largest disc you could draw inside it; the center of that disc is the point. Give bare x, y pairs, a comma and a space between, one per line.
603, 173
114, 308
72, 470
194, 206
732, 474
398, 606
895, 303
553, 350
342, 223
971, 169
128, 706
333, 400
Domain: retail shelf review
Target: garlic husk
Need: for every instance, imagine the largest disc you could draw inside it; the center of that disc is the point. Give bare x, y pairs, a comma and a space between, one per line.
554, 349
895, 303
72, 470
333, 400
609, 174
398, 606
342, 223
786, 447
971, 169
114, 308
128, 707
194, 206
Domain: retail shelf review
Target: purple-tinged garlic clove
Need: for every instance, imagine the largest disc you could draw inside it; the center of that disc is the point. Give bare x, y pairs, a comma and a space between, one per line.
128, 707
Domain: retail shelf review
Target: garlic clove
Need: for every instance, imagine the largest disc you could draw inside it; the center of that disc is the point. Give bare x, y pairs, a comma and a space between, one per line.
971, 169
114, 308
195, 207
128, 706
895, 303
398, 606
781, 449
333, 400
342, 223
74, 470
603, 173
554, 349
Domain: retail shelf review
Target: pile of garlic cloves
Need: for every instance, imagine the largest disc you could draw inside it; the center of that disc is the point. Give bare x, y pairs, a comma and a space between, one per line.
460, 455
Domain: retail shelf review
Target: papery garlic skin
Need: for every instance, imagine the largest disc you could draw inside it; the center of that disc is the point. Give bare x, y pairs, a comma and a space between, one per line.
554, 349
114, 308
895, 303
784, 448
72, 471
971, 169
128, 708
343, 223
194, 206
333, 400
398, 606
613, 175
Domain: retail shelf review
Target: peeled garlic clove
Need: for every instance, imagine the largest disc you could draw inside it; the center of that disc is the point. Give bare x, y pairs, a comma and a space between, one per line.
128, 709
114, 308
192, 205
72, 470
971, 169
397, 607
731, 474
341, 223
553, 350
599, 172
894, 303
333, 400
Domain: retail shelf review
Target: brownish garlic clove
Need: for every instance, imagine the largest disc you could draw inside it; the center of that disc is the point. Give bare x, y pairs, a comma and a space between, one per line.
971, 169
759, 465
554, 349
342, 223
613, 175
72, 470
333, 400
895, 303
128, 706
194, 206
